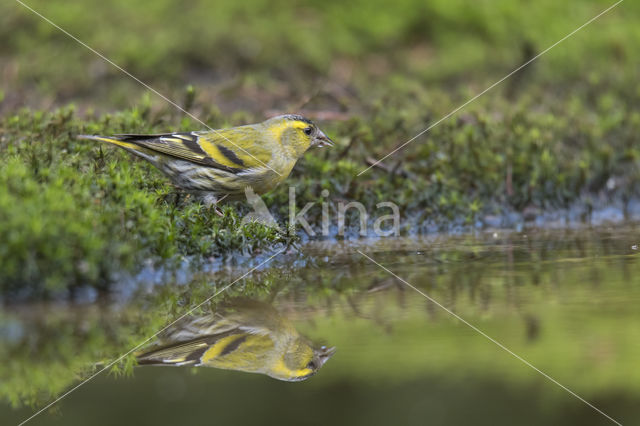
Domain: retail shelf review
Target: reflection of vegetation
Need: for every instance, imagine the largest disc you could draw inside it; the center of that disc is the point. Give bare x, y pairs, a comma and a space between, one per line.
46, 351
565, 302
244, 336
548, 140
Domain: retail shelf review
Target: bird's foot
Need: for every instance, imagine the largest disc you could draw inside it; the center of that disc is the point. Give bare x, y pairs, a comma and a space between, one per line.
211, 201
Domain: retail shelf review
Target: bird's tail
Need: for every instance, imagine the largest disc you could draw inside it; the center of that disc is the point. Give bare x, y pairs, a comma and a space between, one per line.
113, 140
126, 142
181, 353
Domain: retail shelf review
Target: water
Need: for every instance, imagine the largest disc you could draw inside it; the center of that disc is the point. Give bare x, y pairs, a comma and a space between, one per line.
565, 301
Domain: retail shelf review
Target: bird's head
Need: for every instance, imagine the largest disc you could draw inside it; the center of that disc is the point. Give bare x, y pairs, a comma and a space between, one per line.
297, 133
300, 361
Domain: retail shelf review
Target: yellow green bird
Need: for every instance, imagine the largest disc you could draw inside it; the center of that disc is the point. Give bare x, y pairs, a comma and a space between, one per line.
224, 162
248, 336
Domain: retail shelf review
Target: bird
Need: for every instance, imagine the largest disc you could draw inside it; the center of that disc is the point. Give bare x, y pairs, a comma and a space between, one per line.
246, 335
217, 164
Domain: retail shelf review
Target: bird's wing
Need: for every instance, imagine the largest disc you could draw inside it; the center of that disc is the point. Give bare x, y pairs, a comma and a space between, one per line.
233, 150
187, 353
191, 352
242, 147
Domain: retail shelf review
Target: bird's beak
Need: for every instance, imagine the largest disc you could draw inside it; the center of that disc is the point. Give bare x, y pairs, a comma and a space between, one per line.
325, 354
322, 140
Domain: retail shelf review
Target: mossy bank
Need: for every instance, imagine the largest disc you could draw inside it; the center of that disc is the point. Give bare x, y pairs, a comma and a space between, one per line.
561, 133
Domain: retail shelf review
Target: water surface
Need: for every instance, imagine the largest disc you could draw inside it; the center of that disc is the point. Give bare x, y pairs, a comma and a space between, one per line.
566, 301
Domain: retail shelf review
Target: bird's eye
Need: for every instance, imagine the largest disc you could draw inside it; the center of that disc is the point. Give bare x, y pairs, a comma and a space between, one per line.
311, 365
307, 131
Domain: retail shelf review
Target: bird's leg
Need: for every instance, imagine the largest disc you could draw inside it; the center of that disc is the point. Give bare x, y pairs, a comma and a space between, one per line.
215, 206
211, 201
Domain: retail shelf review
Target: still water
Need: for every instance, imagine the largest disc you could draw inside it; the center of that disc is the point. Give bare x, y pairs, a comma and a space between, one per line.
325, 336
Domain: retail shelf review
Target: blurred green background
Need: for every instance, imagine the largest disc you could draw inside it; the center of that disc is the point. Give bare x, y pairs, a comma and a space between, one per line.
261, 54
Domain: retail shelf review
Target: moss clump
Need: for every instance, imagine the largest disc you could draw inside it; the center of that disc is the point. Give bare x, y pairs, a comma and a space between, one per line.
542, 151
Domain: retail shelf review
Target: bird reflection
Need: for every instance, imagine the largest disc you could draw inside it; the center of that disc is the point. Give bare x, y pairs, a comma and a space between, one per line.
245, 336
